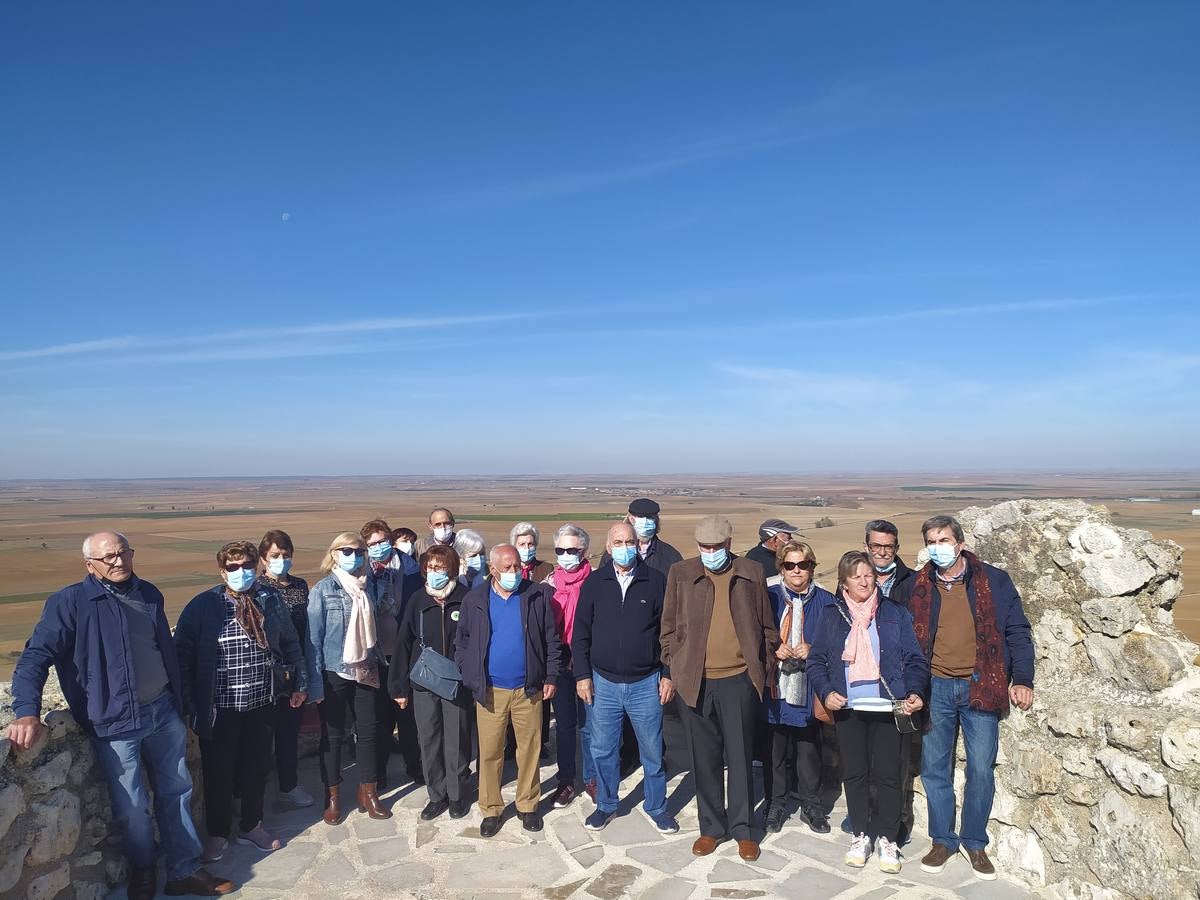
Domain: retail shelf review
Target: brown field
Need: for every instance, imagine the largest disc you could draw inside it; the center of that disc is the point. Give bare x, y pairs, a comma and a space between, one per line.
176, 526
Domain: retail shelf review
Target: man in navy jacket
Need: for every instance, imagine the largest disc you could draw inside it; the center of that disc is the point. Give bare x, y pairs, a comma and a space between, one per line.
619, 672
108, 639
971, 626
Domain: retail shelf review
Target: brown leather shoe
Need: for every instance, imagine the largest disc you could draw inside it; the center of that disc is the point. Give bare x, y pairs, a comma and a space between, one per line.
333, 809
984, 870
368, 802
143, 883
748, 850
705, 845
937, 857
201, 883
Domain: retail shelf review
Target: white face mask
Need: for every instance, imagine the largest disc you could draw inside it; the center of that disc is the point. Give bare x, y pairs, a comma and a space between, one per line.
443, 533
405, 547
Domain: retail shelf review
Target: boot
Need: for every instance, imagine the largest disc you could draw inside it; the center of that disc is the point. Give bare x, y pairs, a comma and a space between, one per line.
368, 802
333, 810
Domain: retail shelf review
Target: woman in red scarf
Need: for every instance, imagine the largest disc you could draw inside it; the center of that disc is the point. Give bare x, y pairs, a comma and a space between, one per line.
571, 545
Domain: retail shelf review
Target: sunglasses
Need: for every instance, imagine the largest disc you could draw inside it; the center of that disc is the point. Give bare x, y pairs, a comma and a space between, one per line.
792, 566
348, 551
571, 551
233, 567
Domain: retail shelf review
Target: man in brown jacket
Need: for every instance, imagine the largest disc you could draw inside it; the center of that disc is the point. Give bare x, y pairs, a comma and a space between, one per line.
718, 642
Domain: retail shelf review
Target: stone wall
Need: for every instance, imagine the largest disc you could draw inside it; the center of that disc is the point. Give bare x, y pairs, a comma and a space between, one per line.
1098, 785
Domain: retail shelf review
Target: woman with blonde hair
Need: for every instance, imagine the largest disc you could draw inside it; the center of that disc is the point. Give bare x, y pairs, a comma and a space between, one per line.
345, 676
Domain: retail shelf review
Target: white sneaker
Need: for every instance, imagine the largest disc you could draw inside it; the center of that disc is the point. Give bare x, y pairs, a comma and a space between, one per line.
296, 798
889, 856
859, 852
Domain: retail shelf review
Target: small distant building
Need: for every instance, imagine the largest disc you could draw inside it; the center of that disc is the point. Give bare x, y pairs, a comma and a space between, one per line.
1196, 512
1145, 499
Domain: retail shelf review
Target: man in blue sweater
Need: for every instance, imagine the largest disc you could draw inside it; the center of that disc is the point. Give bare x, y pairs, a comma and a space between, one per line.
108, 639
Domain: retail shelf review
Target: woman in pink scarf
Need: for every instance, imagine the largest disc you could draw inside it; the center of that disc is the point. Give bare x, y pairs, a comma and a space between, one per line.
865, 653
570, 715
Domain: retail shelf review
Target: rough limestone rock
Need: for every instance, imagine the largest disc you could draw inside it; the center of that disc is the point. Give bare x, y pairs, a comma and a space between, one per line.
1098, 786
46, 886
55, 827
12, 804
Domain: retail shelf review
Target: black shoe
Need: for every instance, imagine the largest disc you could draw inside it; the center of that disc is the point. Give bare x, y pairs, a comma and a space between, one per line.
458, 809
433, 809
531, 821
143, 883
776, 816
817, 822
489, 827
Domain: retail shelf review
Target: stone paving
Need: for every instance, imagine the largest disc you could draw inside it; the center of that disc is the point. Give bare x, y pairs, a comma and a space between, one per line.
404, 857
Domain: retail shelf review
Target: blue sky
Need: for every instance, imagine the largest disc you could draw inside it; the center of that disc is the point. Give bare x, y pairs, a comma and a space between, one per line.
474, 238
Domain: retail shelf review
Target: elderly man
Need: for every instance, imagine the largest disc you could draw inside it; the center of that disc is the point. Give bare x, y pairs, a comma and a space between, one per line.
441, 530
970, 624
652, 550
619, 672
508, 651
882, 541
108, 639
718, 642
772, 534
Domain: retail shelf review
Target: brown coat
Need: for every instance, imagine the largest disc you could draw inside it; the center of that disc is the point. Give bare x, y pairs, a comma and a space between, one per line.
687, 614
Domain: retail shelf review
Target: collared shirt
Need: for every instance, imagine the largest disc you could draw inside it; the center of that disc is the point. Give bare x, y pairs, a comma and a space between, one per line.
243, 667
624, 579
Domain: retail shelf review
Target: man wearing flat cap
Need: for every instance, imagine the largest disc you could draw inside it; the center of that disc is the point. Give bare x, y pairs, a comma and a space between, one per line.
772, 534
652, 550
718, 641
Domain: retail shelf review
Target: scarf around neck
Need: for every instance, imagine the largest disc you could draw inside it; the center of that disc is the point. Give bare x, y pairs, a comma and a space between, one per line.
360, 630
863, 664
566, 596
248, 616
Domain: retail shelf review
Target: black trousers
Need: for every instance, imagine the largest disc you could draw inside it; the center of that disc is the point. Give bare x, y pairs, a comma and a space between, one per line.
443, 728
720, 734
800, 747
869, 745
348, 703
287, 733
393, 719
237, 756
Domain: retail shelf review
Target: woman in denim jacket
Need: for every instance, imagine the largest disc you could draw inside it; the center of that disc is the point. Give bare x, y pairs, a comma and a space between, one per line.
345, 678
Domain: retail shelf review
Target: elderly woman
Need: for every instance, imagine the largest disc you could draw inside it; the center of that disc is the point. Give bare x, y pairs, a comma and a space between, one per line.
443, 725
229, 640
865, 656
571, 544
275, 552
472, 553
795, 735
345, 675
525, 537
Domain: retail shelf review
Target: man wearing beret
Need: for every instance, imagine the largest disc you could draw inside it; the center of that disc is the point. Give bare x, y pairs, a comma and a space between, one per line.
652, 550
718, 642
772, 534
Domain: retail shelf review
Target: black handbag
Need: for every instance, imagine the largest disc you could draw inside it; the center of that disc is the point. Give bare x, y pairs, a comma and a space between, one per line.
283, 679
434, 671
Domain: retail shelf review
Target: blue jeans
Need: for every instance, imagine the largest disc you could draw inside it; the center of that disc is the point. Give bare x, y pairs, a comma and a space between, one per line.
611, 702
948, 710
571, 718
159, 748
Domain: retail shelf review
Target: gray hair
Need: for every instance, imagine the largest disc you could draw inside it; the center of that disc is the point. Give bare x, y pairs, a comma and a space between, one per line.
943, 522
87, 541
523, 528
883, 526
495, 552
570, 530
468, 542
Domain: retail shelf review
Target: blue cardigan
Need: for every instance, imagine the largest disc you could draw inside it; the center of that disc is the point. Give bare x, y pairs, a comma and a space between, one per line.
780, 712
901, 662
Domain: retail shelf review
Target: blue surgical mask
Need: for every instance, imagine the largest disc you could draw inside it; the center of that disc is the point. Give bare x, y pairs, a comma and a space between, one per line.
714, 560
644, 527
527, 553
943, 555
435, 581
568, 561
883, 570
239, 580
510, 580
349, 563
624, 556
279, 566
380, 552
475, 562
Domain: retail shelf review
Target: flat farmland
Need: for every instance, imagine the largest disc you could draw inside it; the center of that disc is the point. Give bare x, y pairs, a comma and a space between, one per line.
176, 526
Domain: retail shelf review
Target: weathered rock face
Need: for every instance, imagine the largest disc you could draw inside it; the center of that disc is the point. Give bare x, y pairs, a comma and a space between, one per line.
1098, 786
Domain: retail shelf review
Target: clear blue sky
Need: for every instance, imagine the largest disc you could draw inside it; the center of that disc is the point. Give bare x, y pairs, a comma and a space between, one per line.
395, 238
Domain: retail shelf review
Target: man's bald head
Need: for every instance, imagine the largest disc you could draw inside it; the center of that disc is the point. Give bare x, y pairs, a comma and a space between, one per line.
621, 531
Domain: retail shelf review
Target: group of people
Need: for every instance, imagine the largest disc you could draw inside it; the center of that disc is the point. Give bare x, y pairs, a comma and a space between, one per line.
442, 650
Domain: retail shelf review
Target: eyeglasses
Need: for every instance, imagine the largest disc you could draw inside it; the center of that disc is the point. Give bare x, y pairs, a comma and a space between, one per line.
233, 567
569, 551
112, 558
383, 543
882, 548
348, 551
792, 566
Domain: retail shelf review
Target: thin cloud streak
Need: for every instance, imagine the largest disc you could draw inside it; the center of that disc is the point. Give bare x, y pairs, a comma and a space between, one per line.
117, 343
